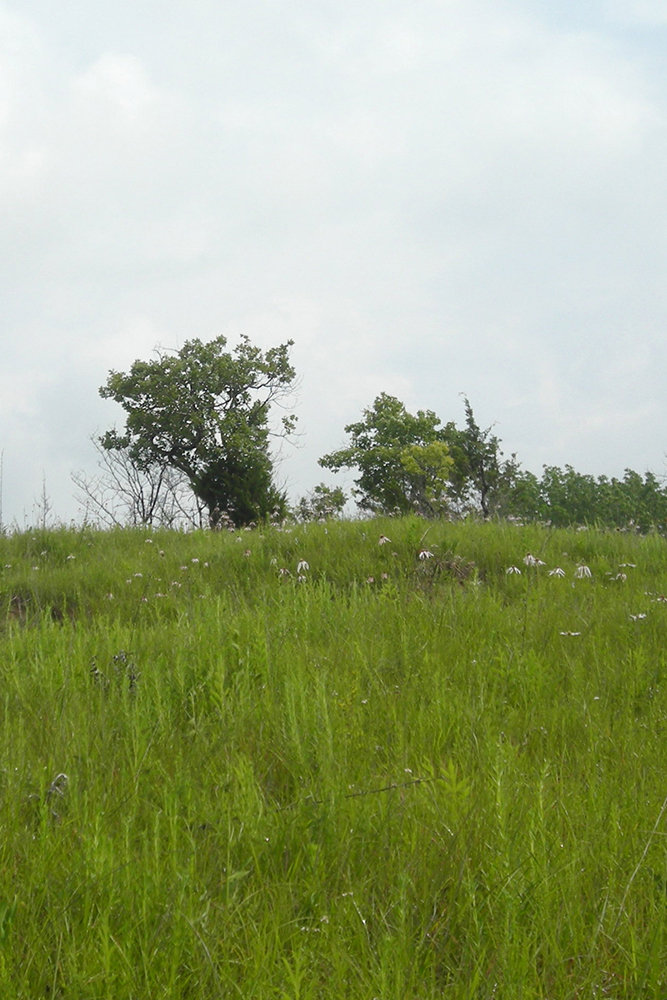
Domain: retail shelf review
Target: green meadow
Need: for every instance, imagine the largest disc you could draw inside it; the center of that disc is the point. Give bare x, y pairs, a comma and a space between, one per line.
396, 771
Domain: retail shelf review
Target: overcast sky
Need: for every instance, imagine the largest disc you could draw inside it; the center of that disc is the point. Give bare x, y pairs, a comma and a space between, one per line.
430, 198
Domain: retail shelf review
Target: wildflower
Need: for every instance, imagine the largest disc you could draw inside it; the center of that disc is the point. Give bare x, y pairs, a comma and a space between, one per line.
149, 541
582, 571
513, 569
383, 540
70, 557
206, 564
637, 618
161, 553
184, 568
273, 561
621, 577
530, 560
194, 560
247, 553
370, 579
425, 554
557, 571
569, 633
58, 785
301, 579
302, 567
627, 565
283, 571
385, 576
135, 575
109, 597
8, 565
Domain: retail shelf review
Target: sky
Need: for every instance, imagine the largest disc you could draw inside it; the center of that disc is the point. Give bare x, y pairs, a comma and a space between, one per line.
430, 198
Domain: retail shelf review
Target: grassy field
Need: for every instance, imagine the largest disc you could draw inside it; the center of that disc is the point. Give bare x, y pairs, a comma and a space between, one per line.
373, 775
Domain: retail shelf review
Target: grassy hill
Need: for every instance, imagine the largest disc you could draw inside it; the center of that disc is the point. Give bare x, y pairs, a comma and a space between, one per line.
357, 760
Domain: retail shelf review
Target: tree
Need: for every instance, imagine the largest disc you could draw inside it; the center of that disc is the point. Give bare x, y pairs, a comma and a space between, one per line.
323, 502
481, 480
122, 493
404, 465
203, 411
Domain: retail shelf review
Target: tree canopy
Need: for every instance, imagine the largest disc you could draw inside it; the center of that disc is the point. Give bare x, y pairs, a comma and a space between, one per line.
204, 411
404, 465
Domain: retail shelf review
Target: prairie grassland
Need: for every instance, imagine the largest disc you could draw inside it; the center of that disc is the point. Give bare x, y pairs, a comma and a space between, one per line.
373, 776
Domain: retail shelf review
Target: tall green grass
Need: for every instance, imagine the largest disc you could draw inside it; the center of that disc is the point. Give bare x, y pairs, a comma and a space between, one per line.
383, 776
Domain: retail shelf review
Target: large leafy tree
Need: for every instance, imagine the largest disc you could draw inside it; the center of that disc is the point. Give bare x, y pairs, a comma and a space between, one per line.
403, 464
204, 411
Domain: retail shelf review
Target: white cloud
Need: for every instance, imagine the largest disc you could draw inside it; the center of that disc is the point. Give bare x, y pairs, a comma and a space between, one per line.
428, 199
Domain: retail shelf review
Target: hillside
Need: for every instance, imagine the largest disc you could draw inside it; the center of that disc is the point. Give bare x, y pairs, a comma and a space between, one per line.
362, 759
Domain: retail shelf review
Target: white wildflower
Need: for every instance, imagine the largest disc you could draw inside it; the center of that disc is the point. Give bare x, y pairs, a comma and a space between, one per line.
513, 569
557, 571
425, 554
569, 633
637, 618
383, 540
582, 572
302, 567
530, 560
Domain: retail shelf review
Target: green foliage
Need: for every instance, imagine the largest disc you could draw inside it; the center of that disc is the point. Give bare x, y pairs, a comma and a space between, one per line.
480, 479
413, 463
204, 412
565, 496
404, 465
409, 775
322, 503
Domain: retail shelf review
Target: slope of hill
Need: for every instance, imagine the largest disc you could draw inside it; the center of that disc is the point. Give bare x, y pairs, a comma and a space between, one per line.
389, 758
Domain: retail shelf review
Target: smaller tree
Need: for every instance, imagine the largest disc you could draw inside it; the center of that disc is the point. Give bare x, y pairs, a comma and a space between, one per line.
404, 466
481, 479
122, 493
322, 503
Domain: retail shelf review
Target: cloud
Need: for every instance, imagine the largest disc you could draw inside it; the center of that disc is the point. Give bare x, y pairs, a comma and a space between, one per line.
428, 199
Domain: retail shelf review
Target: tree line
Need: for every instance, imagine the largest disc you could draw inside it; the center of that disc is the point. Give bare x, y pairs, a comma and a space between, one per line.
196, 449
